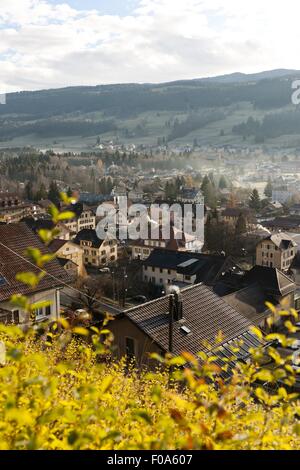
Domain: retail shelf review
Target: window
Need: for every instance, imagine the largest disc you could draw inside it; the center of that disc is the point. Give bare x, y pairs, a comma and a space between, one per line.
161, 270
38, 312
130, 348
146, 278
48, 310
16, 317
169, 271
187, 278
161, 281
153, 270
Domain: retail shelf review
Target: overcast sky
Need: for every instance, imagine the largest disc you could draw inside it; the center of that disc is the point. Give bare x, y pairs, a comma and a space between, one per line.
55, 43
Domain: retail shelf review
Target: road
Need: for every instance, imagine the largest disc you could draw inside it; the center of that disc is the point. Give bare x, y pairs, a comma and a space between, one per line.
69, 296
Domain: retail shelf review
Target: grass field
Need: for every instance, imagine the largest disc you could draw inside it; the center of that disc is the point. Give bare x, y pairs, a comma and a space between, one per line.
154, 127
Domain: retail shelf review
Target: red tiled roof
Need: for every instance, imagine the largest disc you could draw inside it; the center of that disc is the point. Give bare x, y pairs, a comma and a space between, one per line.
18, 237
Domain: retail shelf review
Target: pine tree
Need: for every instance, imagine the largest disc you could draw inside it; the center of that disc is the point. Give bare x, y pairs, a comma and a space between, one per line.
268, 189
209, 192
53, 194
254, 201
222, 182
28, 191
41, 193
241, 225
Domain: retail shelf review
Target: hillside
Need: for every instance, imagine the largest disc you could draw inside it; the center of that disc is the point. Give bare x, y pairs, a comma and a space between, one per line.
211, 110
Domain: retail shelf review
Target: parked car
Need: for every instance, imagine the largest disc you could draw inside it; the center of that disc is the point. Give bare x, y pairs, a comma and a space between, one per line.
104, 270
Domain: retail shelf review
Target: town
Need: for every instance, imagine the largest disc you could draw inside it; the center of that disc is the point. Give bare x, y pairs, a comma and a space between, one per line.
149, 232
249, 253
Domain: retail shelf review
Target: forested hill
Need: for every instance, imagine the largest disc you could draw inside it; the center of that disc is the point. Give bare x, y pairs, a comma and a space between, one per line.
89, 111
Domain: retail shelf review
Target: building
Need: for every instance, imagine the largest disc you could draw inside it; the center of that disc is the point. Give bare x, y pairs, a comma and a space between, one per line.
68, 250
178, 241
166, 267
295, 209
230, 215
181, 322
69, 266
284, 224
84, 218
96, 252
191, 196
136, 195
276, 251
13, 209
15, 239
256, 287
282, 195
63, 233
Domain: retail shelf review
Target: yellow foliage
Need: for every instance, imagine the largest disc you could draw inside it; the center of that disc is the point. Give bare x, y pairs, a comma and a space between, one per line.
53, 397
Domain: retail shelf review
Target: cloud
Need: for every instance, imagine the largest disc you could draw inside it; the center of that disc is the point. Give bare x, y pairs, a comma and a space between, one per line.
44, 45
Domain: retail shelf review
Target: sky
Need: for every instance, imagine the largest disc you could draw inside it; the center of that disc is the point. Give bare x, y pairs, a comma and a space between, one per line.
57, 43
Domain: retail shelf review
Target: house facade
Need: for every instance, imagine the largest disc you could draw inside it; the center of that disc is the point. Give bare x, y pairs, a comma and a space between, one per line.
15, 239
166, 267
68, 250
84, 218
13, 209
231, 215
276, 251
97, 252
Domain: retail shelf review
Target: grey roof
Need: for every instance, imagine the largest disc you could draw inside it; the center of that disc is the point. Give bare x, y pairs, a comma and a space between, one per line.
204, 313
287, 223
64, 261
78, 208
250, 302
237, 211
282, 240
207, 268
272, 280
88, 235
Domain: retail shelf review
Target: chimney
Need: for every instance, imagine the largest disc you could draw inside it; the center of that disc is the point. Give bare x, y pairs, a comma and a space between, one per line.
177, 303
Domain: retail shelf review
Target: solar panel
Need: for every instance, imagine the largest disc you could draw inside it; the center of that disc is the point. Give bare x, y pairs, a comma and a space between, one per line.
185, 330
185, 264
2, 281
